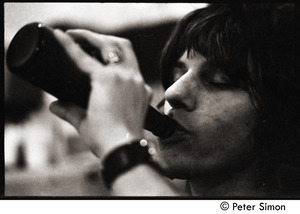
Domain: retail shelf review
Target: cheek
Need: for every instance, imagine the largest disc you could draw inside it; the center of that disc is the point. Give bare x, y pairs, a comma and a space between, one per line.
225, 124
233, 112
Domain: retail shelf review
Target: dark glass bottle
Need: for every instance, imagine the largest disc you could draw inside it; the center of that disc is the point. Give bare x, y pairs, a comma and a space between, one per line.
37, 57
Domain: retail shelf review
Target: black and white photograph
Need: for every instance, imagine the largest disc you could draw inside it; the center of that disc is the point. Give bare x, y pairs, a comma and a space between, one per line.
151, 100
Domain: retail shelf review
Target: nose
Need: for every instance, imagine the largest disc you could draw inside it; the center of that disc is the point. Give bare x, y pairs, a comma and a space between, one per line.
182, 93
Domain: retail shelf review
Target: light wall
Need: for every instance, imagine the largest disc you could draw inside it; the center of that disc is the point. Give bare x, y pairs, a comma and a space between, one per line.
95, 16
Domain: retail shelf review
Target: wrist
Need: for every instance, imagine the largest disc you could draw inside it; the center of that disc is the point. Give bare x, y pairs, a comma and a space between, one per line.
125, 158
105, 142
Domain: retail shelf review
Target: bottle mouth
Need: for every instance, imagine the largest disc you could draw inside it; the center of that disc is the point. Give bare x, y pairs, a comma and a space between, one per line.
23, 45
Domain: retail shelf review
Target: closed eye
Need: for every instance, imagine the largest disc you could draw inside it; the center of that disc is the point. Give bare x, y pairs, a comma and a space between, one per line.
214, 77
220, 78
178, 71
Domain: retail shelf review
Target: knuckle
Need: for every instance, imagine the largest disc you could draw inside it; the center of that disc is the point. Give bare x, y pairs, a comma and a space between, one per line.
138, 79
149, 91
97, 77
125, 42
87, 63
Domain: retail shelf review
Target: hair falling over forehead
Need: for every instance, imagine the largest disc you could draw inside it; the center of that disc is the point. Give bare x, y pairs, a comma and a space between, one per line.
214, 32
254, 44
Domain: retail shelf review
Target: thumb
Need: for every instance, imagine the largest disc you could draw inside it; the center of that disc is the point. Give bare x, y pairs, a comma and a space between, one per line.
68, 112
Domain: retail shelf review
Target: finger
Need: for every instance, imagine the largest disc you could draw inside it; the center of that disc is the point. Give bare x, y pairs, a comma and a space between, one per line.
108, 46
81, 58
68, 112
104, 43
129, 54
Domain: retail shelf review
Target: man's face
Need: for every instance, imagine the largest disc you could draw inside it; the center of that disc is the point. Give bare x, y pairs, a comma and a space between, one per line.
219, 119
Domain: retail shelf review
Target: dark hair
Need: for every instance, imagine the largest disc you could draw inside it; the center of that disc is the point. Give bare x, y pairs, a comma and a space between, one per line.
253, 44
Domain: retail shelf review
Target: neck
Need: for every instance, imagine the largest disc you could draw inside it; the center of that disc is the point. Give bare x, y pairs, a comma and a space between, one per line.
232, 184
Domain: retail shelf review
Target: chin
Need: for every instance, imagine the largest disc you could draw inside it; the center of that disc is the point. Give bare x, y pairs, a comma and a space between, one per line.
182, 167
185, 167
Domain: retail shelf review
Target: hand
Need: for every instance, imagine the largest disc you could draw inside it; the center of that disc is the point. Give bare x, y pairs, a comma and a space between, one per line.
118, 99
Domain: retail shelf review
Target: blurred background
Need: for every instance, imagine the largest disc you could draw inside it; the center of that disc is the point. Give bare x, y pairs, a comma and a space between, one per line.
44, 155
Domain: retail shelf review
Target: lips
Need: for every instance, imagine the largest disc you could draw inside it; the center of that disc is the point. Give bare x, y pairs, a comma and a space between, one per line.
180, 134
177, 137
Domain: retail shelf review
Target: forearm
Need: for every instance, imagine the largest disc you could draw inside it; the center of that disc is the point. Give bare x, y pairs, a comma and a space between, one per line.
143, 180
